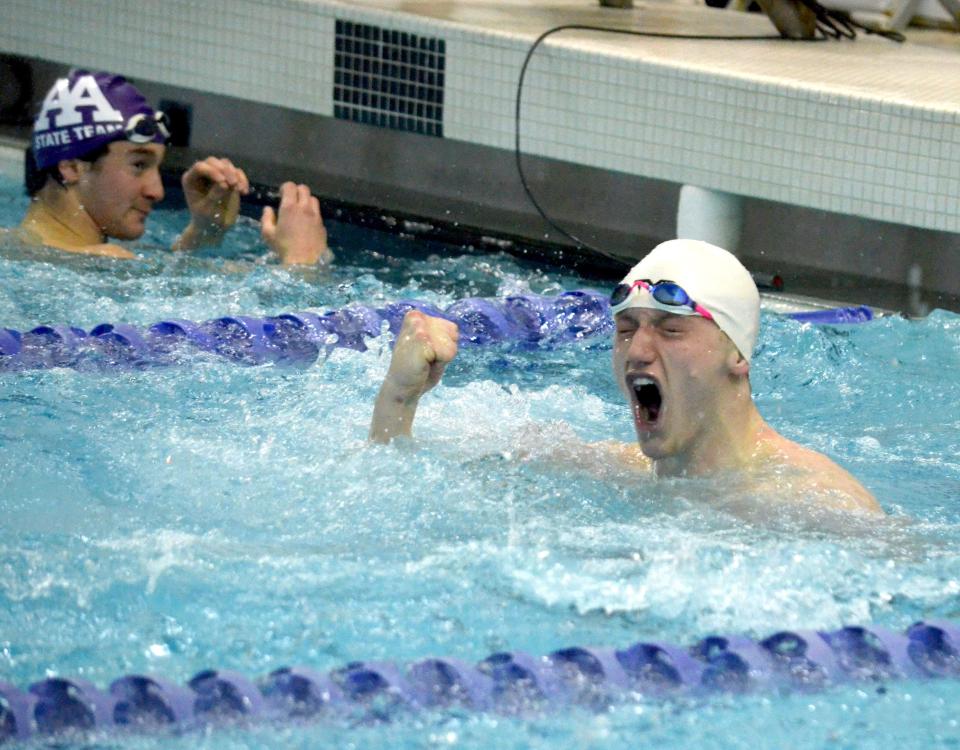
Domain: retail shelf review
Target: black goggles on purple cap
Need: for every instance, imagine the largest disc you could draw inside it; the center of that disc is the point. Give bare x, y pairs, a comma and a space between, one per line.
144, 128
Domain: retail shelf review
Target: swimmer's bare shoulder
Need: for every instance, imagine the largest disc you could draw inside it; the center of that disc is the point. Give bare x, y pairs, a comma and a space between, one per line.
103, 250
24, 234
558, 445
627, 455
808, 472
812, 472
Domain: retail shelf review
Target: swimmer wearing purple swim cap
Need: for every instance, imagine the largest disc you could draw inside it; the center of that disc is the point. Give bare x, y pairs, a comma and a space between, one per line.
687, 318
86, 111
93, 174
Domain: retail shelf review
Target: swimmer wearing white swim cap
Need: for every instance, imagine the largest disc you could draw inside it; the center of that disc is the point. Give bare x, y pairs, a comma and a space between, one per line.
687, 318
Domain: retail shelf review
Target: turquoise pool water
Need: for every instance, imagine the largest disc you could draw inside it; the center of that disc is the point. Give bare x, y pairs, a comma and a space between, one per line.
214, 515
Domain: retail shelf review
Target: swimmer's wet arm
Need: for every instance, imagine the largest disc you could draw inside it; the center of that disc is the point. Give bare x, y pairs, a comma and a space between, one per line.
296, 232
425, 346
212, 189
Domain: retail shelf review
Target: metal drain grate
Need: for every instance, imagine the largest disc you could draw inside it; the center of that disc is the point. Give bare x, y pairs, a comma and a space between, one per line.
392, 79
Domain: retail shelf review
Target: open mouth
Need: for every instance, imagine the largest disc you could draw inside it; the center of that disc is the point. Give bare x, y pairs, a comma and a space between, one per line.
648, 398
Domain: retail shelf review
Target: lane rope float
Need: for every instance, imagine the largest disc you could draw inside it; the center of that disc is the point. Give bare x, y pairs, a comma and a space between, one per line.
299, 337
511, 683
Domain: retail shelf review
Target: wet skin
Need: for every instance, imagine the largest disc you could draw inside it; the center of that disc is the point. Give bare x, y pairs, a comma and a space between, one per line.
694, 368
701, 420
119, 191
113, 196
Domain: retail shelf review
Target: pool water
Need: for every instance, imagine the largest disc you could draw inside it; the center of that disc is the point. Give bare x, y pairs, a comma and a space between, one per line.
208, 514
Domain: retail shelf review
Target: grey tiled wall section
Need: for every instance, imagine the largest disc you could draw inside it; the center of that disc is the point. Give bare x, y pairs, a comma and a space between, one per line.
854, 154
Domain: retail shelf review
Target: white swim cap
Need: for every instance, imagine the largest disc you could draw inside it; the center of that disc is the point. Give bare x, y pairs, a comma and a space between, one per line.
712, 278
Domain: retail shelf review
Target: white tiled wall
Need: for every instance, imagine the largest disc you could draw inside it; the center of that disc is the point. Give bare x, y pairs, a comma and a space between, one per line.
852, 154
844, 151
270, 52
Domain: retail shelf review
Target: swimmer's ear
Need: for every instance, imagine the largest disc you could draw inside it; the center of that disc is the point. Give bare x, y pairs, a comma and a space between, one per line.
737, 363
71, 170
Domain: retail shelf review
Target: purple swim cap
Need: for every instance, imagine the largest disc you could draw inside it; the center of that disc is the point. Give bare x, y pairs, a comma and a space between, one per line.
85, 111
